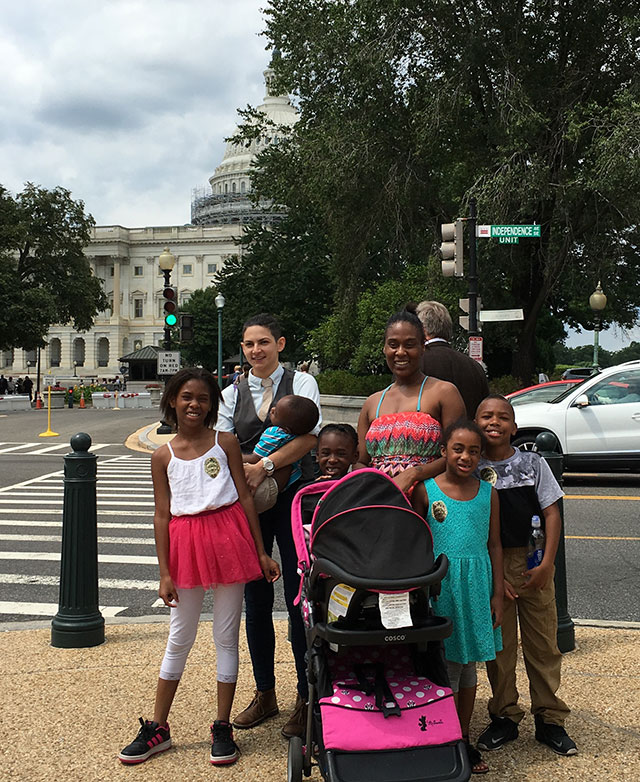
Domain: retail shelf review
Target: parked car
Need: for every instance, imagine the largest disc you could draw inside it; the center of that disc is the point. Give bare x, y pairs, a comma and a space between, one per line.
541, 392
579, 373
597, 422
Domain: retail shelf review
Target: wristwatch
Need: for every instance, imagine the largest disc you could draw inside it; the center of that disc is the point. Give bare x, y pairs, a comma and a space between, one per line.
268, 465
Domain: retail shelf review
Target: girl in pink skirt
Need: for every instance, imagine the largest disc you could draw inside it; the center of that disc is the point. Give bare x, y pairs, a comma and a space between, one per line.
207, 537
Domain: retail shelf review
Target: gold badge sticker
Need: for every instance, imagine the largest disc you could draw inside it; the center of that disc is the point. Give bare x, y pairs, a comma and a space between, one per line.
439, 510
212, 467
489, 475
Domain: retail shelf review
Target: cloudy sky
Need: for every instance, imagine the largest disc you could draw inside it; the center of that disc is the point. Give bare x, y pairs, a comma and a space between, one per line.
126, 103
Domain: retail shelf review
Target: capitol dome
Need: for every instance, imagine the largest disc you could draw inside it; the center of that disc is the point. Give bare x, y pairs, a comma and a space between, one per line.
228, 201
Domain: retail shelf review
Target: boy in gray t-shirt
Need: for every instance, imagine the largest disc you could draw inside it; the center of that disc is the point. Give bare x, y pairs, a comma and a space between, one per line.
526, 487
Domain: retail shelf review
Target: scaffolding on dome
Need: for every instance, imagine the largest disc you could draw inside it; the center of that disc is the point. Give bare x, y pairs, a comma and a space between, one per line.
226, 208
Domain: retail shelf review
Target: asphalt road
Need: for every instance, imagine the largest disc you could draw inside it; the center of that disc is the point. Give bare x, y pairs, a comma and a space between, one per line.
601, 520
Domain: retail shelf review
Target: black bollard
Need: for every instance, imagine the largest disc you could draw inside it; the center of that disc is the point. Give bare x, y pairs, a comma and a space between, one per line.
546, 442
79, 622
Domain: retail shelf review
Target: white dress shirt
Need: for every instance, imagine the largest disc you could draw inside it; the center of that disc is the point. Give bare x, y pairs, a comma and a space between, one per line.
304, 384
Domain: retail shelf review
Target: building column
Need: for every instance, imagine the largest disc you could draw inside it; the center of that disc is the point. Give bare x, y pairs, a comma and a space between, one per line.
115, 315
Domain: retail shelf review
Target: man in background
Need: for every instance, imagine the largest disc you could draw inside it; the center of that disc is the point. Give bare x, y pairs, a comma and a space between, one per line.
444, 362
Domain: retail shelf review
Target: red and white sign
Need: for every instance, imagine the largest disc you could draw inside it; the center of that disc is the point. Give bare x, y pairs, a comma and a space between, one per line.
475, 348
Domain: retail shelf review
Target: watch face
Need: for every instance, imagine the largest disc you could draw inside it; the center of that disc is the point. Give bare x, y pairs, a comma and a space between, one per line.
268, 464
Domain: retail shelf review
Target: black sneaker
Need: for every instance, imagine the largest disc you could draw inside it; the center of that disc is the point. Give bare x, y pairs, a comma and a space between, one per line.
224, 750
498, 733
151, 738
556, 737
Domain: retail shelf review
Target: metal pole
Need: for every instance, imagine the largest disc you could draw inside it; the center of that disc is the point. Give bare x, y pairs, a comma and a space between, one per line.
473, 270
596, 340
220, 346
545, 444
38, 377
79, 622
167, 330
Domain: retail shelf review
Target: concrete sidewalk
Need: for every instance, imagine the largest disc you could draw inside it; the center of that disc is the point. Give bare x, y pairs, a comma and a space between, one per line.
67, 712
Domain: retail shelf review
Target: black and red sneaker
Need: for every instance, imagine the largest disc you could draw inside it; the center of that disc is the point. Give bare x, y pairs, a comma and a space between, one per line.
151, 739
224, 750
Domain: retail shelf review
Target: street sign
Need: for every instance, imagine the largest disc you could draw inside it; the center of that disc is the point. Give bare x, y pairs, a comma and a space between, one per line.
508, 234
487, 316
168, 362
475, 348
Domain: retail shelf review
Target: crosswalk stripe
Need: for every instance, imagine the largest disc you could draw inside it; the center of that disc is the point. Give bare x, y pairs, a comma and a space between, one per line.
58, 512
56, 539
103, 583
18, 447
59, 502
58, 524
49, 609
50, 556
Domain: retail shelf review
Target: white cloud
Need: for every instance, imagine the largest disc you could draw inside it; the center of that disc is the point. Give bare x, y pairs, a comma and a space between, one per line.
125, 102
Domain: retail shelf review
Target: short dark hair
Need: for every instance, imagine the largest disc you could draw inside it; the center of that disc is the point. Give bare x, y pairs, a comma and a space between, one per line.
346, 429
266, 321
175, 383
466, 424
502, 399
302, 413
406, 315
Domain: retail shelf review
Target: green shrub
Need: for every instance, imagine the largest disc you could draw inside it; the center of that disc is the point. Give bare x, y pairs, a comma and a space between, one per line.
504, 385
344, 383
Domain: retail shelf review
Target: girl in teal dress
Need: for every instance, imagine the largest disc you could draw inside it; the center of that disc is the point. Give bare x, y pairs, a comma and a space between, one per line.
463, 514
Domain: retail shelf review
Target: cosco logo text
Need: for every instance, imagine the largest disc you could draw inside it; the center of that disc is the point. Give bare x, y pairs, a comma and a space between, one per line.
394, 637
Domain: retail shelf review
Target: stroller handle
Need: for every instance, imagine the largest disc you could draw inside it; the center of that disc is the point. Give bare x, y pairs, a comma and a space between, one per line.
324, 567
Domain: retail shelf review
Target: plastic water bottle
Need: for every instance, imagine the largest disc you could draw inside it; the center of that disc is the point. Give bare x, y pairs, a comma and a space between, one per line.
535, 549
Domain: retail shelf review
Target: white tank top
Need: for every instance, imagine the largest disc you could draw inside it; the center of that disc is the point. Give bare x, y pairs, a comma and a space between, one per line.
200, 484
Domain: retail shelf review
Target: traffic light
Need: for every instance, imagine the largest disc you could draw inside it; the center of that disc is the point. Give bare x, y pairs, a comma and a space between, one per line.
170, 294
451, 248
464, 319
186, 327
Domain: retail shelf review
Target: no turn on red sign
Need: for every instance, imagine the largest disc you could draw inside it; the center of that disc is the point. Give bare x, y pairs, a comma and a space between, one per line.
475, 348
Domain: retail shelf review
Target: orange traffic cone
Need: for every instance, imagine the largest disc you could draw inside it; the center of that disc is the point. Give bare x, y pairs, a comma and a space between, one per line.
38, 402
82, 404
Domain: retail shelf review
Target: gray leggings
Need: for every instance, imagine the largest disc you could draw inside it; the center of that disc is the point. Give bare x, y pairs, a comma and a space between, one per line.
462, 675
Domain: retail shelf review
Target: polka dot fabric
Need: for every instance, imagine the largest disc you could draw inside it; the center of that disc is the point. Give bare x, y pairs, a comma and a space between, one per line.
352, 722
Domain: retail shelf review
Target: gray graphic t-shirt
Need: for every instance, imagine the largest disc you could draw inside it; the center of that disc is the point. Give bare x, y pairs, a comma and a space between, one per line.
526, 486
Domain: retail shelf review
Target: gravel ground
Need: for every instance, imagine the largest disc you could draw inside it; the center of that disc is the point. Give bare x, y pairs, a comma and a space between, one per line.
67, 712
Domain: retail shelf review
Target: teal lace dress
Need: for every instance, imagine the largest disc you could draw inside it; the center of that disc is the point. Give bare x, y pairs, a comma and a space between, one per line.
461, 530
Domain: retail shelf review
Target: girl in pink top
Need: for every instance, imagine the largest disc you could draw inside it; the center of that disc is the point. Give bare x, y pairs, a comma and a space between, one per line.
207, 537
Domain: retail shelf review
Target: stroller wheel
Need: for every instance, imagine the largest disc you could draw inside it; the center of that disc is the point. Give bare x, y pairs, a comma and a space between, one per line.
294, 760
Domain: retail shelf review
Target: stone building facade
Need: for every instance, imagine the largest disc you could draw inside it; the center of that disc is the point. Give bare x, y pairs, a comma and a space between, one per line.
126, 260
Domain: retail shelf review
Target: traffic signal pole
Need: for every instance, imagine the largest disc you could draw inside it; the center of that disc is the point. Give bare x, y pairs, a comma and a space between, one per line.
167, 330
473, 270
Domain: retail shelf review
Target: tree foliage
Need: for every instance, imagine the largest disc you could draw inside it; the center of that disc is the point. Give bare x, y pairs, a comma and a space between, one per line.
281, 270
45, 278
408, 109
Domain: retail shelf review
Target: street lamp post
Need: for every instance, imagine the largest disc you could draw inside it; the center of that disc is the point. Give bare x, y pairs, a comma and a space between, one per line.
166, 262
597, 302
220, 306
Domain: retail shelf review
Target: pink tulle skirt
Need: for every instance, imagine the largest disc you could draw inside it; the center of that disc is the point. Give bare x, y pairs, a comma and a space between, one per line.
214, 547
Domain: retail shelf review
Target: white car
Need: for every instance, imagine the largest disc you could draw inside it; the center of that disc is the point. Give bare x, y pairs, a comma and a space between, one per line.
597, 423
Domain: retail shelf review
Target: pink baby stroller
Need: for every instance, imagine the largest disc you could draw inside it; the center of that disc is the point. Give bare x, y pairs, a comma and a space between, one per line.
380, 708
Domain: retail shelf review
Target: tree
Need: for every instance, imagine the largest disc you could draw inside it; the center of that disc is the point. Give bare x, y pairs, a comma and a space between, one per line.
202, 351
409, 109
281, 270
45, 278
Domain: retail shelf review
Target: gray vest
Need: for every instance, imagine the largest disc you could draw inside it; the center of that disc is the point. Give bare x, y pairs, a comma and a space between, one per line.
248, 427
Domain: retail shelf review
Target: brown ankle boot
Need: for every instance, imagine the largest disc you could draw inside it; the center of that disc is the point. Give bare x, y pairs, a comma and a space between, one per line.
263, 706
297, 722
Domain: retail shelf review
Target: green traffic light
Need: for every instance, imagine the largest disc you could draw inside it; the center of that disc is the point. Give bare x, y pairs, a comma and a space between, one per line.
170, 320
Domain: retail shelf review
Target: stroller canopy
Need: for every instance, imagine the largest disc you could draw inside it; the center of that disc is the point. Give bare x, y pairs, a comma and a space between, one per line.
366, 526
